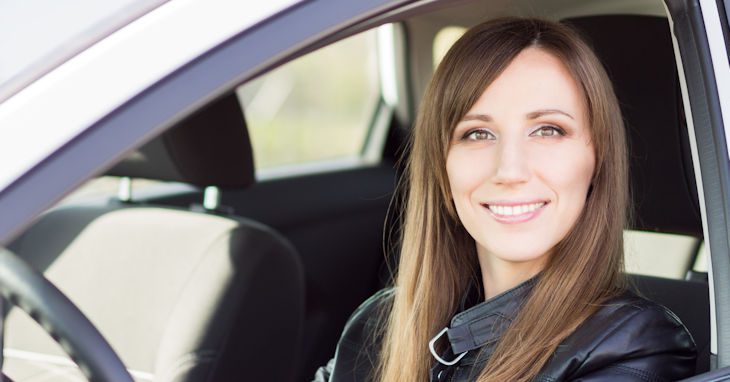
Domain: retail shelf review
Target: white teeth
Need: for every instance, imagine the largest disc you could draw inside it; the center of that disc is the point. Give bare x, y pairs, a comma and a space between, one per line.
514, 210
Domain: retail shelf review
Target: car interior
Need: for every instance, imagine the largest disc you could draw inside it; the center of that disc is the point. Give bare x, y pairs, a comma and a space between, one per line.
250, 273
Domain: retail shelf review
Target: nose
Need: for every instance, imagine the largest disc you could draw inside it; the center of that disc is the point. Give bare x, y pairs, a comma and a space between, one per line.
511, 164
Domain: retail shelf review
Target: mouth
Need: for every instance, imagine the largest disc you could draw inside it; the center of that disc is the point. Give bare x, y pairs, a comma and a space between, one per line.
512, 213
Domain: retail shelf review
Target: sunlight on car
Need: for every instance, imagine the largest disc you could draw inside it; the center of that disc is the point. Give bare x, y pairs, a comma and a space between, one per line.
317, 107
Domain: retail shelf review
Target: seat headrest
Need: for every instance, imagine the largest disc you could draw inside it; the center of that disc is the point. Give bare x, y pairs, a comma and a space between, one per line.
638, 55
209, 148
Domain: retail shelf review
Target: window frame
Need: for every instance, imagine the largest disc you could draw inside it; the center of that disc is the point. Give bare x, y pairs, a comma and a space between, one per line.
393, 103
703, 110
175, 96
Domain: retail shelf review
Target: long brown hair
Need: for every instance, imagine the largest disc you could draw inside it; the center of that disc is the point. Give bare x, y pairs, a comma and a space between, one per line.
438, 257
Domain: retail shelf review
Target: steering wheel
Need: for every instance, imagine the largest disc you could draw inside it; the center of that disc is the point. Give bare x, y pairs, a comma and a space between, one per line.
29, 290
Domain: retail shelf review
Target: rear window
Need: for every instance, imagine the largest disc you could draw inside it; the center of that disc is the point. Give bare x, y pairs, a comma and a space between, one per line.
317, 107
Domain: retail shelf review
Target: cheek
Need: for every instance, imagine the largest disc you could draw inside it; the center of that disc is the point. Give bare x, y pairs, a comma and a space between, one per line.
459, 180
568, 171
466, 170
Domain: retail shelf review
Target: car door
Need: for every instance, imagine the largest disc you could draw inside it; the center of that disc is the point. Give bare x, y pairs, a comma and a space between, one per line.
700, 32
241, 57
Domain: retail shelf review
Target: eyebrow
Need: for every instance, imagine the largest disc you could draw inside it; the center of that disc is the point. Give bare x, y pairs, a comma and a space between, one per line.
540, 113
477, 117
531, 115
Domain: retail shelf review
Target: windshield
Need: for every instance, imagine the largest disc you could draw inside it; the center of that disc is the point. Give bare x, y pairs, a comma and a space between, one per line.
38, 35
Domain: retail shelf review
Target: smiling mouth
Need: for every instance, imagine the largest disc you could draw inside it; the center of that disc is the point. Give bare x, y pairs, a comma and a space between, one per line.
515, 213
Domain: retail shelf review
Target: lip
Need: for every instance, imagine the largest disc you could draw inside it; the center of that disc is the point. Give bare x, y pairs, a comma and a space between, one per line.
516, 219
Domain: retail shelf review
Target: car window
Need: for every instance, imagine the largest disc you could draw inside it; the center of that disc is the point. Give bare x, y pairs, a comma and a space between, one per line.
101, 189
317, 107
443, 41
701, 263
660, 254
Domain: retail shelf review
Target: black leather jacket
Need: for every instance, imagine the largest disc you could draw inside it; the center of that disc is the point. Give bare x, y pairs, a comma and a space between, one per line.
628, 339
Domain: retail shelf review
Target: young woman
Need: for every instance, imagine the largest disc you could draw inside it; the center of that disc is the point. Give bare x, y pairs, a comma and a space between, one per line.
511, 257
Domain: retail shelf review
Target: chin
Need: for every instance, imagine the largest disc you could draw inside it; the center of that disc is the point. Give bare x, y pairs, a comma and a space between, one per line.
521, 254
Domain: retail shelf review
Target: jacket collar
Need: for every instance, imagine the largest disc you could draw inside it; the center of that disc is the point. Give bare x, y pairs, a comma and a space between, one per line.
486, 321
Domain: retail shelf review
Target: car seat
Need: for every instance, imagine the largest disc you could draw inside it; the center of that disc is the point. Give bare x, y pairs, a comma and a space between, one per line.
639, 58
180, 295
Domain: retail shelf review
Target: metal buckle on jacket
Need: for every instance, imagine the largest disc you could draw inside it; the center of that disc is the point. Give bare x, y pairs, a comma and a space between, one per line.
438, 358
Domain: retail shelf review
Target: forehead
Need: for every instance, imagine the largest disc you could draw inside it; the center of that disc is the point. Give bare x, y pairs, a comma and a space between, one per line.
535, 79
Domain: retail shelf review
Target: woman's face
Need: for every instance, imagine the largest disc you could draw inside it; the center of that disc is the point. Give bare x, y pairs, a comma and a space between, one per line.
521, 161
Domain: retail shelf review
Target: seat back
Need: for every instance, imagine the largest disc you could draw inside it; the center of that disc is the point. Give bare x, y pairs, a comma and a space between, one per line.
174, 292
639, 58
690, 301
180, 295
638, 55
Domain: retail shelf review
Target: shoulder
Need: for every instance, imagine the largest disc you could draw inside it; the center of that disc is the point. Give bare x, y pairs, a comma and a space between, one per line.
628, 337
366, 318
358, 347
635, 317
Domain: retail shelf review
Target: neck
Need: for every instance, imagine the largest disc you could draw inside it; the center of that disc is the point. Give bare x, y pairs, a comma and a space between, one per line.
499, 275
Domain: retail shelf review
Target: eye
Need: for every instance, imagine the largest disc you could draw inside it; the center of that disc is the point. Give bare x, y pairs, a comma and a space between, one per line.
548, 131
479, 135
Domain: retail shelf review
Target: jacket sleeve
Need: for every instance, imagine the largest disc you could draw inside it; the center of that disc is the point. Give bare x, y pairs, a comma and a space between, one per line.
649, 344
355, 356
